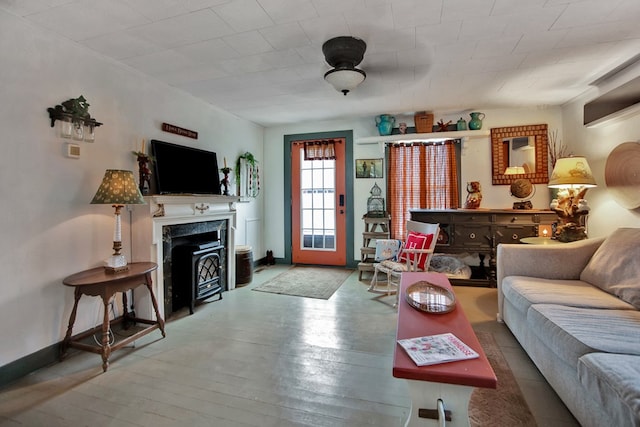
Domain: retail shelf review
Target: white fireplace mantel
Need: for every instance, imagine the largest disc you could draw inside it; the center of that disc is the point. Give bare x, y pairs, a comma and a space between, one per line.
162, 210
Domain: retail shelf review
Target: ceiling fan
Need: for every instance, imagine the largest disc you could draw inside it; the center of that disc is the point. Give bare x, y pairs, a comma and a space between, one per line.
344, 53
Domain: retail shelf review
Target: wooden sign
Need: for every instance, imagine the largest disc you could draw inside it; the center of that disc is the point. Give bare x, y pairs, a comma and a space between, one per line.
179, 131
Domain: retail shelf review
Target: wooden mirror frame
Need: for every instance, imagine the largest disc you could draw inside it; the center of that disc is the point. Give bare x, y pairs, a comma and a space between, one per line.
500, 157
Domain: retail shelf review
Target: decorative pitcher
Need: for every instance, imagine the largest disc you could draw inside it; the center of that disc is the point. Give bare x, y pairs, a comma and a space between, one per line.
476, 121
385, 124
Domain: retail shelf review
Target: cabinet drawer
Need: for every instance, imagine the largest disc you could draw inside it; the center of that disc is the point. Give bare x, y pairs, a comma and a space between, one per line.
470, 218
513, 233
430, 218
472, 236
516, 218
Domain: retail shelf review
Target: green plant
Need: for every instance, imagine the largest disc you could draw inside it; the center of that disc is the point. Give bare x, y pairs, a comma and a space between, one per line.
249, 158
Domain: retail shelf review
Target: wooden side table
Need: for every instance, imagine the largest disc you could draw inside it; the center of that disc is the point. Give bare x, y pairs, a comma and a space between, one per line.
540, 241
97, 282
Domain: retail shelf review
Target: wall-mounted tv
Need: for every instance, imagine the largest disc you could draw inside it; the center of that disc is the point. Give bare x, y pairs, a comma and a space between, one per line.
184, 170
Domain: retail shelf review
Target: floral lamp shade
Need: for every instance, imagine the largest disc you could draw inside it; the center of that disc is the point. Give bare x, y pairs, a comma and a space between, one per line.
118, 187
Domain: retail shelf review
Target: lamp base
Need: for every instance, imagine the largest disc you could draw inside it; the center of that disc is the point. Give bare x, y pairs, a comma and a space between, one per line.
570, 233
113, 270
116, 263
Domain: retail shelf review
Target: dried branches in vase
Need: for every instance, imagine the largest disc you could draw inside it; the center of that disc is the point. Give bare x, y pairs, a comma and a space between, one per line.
557, 149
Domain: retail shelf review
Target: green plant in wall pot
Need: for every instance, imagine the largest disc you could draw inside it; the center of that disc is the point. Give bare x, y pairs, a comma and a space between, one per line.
247, 176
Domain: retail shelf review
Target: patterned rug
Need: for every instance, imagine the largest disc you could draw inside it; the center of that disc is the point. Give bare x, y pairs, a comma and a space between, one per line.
309, 282
504, 406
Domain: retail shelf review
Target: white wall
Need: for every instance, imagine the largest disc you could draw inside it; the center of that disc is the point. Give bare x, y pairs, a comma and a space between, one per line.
49, 230
476, 164
595, 144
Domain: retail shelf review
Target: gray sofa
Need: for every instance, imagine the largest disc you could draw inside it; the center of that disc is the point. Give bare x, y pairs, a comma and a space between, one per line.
575, 309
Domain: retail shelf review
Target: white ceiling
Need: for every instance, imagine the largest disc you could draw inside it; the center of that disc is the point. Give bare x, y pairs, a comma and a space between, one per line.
262, 59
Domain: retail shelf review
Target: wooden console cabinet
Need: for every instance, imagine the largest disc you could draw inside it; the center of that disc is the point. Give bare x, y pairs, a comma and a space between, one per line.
480, 231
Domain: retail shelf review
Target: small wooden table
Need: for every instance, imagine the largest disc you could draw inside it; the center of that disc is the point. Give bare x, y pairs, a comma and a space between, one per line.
540, 241
97, 282
450, 383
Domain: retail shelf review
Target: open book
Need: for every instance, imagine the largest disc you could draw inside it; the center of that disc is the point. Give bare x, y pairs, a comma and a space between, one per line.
434, 349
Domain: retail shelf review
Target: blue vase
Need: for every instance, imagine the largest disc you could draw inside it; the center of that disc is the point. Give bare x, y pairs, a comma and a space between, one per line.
476, 121
385, 124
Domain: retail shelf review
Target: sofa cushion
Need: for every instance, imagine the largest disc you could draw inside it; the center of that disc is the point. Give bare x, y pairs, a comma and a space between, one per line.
523, 291
572, 332
614, 267
614, 380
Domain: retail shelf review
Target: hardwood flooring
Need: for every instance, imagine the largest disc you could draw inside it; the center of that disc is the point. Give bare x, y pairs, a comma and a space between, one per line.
258, 359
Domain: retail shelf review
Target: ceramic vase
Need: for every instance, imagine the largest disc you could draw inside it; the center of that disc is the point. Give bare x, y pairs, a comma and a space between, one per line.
476, 120
385, 124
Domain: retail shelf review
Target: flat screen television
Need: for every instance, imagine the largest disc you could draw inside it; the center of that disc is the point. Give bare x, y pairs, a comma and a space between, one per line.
184, 170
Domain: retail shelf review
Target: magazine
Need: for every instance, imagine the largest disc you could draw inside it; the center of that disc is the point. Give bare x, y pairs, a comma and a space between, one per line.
434, 349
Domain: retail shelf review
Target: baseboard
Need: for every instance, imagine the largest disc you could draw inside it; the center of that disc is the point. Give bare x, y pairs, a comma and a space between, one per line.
27, 364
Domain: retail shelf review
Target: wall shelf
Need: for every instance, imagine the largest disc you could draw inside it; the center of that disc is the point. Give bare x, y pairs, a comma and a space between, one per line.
433, 136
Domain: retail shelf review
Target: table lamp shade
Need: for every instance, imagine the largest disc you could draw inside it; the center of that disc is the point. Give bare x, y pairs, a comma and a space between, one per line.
118, 187
571, 172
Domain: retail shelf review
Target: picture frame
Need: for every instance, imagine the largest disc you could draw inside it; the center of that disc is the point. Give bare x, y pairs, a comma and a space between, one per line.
369, 168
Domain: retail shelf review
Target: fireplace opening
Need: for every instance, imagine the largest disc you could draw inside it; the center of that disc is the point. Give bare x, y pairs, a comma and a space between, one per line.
197, 273
195, 259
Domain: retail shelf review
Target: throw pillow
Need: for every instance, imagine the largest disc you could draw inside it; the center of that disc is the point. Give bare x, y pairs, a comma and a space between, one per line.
614, 267
416, 240
387, 249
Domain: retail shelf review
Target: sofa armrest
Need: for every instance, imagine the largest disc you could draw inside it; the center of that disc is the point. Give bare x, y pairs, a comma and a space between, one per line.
562, 262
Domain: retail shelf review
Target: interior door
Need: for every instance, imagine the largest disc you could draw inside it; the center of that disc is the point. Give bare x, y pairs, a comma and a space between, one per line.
318, 217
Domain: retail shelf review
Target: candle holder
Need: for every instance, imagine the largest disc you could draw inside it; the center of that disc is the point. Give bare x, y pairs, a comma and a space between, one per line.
144, 173
225, 181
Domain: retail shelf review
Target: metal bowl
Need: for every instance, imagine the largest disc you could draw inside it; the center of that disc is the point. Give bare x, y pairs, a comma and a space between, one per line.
430, 298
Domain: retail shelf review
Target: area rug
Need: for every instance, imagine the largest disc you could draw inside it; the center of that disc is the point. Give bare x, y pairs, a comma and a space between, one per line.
504, 406
309, 282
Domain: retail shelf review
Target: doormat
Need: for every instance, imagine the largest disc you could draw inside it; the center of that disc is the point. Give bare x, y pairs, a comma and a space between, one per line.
308, 282
504, 406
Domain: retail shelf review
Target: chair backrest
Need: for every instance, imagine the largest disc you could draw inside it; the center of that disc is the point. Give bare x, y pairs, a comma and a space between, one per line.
419, 245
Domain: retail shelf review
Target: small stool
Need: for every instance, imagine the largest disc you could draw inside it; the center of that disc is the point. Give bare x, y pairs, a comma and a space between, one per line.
244, 264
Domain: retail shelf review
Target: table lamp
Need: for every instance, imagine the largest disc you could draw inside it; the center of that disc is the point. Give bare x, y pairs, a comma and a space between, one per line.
118, 188
572, 175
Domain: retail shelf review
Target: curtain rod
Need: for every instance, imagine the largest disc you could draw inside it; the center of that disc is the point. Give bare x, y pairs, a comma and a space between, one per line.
418, 143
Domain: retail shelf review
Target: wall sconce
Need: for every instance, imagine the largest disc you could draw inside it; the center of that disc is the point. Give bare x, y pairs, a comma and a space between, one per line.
74, 120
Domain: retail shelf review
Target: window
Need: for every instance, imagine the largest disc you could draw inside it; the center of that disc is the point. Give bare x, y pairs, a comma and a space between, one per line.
421, 176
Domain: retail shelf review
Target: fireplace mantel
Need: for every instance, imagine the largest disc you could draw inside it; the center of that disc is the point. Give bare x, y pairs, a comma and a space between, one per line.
162, 210
189, 205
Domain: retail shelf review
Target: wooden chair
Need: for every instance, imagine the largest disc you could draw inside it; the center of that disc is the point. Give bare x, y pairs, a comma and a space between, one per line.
415, 255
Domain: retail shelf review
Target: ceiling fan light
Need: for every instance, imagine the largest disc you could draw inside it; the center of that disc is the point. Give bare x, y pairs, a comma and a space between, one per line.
345, 79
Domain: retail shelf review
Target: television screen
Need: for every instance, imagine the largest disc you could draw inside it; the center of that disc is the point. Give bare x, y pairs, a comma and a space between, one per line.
184, 170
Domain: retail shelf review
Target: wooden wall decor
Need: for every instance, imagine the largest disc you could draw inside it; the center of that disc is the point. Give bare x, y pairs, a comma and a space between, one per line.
501, 139
179, 131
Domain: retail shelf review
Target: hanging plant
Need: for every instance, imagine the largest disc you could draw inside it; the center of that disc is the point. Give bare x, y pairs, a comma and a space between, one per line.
247, 166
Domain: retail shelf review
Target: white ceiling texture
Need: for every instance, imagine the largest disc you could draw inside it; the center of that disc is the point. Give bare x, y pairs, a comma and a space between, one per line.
262, 60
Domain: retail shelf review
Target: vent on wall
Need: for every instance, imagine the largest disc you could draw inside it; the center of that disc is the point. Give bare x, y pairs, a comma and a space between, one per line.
622, 101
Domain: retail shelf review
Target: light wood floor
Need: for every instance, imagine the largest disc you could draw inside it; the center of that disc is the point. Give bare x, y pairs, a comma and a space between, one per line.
258, 359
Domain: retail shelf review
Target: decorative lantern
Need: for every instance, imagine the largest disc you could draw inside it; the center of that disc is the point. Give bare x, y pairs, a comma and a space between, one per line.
375, 203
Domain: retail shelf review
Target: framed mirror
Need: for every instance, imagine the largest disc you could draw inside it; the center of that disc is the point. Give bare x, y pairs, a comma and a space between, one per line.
521, 147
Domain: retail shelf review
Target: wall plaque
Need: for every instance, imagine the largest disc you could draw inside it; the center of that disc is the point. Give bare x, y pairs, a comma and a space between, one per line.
179, 131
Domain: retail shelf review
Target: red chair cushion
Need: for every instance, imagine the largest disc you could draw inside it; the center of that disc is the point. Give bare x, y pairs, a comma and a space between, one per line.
416, 240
